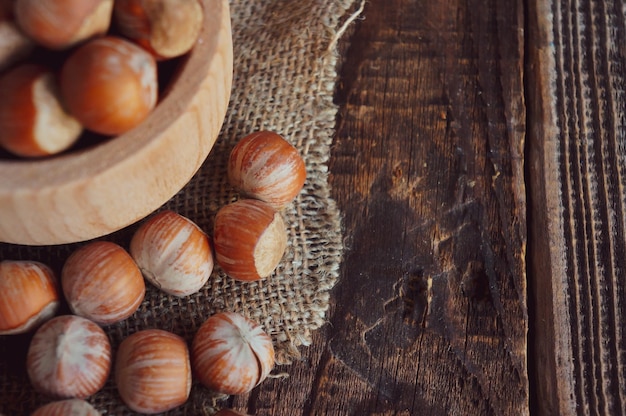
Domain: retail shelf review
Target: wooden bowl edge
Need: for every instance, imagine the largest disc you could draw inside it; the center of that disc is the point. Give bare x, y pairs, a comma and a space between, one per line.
93, 194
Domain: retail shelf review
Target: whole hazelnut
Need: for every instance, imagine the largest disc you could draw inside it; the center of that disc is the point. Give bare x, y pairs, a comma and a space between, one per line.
250, 239
173, 253
167, 28
231, 354
152, 371
101, 282
33, 120
60, 24
109, 84
263, 165
69, 357
28, 295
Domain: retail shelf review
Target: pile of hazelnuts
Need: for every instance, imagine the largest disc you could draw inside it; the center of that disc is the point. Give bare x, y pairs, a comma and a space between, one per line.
69, 358
73, 66
69, 67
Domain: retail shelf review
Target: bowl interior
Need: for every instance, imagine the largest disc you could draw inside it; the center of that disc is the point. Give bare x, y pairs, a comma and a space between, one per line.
100, 188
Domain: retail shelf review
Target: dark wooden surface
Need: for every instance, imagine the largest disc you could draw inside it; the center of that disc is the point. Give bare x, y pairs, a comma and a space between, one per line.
577, 150
430, 316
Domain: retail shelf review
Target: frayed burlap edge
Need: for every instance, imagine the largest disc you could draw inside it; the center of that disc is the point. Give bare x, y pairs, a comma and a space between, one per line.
285, 62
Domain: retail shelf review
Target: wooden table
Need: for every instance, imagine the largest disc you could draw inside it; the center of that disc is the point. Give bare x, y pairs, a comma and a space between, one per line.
479, 165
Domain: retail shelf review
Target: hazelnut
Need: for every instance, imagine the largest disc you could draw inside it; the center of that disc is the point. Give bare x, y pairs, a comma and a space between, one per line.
28, 295
60, 24
69, 357
249, 238
67, 407
173, 253
102, 282
109, 84
152, 371
167, 28
33, 121
265, 166
231, 354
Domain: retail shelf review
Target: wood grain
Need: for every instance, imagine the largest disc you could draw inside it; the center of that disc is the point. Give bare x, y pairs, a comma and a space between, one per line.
95, 191
429, 317
577, 154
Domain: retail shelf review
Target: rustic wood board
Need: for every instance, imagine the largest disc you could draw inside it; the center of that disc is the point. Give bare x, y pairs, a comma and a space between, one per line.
577, 178
429, 316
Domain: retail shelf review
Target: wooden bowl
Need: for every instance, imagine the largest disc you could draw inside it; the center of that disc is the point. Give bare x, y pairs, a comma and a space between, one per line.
92, 192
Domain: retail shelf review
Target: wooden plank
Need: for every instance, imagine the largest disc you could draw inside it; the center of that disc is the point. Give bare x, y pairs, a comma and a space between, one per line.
431, 310
429, 316
577, 179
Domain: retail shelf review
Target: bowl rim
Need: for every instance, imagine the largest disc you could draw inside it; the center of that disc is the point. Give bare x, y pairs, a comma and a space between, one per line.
44, 182
51, 171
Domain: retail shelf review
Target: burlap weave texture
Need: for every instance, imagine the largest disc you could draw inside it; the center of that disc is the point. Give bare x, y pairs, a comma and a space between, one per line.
284, 80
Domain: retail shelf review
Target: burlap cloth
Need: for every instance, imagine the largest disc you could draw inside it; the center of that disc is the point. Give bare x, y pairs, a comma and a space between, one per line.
284, 80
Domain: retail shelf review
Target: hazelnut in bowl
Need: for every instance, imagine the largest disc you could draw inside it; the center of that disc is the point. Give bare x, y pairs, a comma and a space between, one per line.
94, 190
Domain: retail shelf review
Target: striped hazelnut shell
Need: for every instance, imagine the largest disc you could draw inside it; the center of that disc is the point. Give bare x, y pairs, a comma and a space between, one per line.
153, 371
67, 407
29, 295
173, 253
69, 357
250, 239
231, 354
101, 282
263, 165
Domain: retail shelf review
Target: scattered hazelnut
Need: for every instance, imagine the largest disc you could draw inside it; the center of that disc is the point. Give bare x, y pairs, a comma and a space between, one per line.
109, 84
231, 354
152, 371
28, 295
60, 24
250, 239
173, 253
33, 121
102, 282
167, 28
69, 357
265, 166
71, 407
